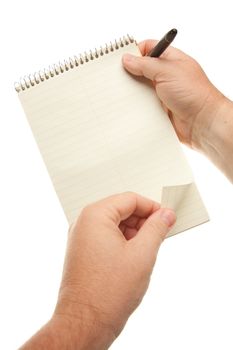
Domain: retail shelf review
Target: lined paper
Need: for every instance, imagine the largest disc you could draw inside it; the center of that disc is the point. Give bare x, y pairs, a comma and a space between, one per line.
185, 200
102, 131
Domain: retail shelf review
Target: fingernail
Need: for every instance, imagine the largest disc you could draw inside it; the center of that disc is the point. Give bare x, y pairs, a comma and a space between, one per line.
127, 57
168, 216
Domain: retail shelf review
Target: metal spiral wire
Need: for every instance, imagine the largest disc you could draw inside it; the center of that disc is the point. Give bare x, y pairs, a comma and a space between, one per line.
73, 62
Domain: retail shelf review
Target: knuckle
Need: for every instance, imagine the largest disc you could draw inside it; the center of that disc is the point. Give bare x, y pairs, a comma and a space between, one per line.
145, 63
153, 225
88, 211
129, 193
158, 227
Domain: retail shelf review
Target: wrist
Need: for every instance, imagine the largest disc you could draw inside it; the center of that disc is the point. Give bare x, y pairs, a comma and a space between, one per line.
213, 130
78, 335
204, 125
82, 326
65, 332
53, 335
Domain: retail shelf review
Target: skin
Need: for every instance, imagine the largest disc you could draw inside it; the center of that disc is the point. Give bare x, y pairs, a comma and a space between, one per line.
110, 255
113, 245
201, 115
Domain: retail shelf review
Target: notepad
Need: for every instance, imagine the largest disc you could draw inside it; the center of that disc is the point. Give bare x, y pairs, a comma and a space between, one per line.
102, 131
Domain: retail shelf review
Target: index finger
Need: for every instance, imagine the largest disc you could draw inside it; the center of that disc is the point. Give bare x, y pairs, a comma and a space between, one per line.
120, 206
147, 45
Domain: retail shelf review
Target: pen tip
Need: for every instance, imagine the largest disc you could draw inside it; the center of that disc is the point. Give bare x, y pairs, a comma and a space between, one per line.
171, 35
174, 31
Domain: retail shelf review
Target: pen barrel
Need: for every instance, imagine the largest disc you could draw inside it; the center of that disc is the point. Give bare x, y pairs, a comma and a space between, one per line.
159, 49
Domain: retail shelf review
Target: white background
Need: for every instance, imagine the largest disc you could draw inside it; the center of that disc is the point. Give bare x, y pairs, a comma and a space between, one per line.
189, 304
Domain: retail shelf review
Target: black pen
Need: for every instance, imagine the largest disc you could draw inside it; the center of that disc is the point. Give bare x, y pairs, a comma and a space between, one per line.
163, 44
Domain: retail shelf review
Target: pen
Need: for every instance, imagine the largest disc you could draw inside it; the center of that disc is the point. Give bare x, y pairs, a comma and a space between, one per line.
163, 43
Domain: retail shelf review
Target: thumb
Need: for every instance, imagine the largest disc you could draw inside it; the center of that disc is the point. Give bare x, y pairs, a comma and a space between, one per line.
149, 67
154, 230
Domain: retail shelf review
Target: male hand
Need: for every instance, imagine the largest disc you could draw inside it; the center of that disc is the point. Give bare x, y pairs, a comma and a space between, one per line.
111, 252
190, 99
110, 255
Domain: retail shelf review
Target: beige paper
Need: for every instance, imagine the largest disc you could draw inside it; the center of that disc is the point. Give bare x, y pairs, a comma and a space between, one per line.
102, 131
185, 200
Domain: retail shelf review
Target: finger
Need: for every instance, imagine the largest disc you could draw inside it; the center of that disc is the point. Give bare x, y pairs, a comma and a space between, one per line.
171, 52
130, 226
129, 233
149, 67
146, 46
120, 206
154, 230
133, 221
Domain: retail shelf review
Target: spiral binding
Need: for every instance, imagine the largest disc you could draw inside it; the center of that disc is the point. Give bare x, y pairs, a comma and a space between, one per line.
73, 62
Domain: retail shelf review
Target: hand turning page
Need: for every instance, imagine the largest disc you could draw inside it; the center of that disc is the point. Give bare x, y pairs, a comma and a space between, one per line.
102, 131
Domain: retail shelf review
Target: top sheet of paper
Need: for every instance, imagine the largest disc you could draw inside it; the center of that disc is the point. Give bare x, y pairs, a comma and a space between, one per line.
102, 131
